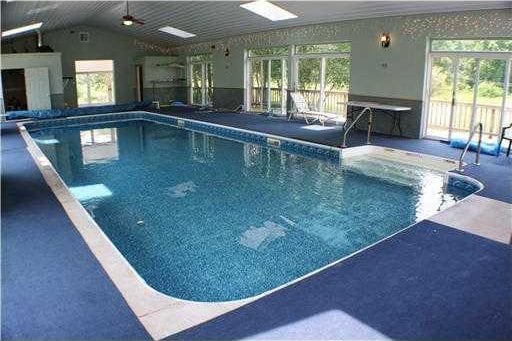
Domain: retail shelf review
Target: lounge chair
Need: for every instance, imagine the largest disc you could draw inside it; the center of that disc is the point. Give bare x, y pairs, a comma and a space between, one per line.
312, 116
505, 135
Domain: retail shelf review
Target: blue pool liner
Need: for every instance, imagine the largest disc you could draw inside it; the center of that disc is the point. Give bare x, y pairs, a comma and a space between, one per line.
94, 110
305, 149
485, 148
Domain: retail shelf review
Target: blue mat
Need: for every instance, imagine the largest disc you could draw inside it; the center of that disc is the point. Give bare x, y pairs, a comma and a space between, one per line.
485, 148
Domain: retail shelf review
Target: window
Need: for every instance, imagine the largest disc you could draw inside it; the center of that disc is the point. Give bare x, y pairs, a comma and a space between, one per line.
268, 52
201, 79
321, 72
323, 48
323, 76
467, 85
94, 82
469, 45
267, 79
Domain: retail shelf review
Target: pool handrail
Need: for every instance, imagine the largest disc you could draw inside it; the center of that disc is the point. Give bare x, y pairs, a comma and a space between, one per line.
365, 110
478, 126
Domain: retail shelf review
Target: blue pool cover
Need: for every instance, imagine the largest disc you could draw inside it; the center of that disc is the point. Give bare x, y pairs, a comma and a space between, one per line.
67, 112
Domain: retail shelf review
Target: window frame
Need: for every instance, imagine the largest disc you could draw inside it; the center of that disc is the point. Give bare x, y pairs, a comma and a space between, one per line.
204, 60
88, 74
292, 62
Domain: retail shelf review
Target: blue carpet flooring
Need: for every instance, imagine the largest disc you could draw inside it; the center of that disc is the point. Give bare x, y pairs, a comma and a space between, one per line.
52, 285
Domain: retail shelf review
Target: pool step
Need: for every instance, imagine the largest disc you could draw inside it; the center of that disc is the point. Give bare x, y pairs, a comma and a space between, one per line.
388, 170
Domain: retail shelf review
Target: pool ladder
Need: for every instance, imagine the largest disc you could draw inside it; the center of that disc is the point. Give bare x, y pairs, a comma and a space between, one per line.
478, 126
365, 110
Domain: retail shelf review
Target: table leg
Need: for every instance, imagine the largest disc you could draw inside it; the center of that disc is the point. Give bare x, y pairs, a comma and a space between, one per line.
399, 123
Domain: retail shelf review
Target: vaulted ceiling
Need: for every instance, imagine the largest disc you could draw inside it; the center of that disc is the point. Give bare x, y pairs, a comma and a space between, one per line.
210, 20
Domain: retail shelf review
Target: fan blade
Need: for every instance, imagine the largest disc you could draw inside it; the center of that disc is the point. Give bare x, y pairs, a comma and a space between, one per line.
138, 21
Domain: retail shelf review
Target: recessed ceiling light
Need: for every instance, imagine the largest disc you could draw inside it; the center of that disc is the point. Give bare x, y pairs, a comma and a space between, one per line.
268, 10
21, 29
176, 32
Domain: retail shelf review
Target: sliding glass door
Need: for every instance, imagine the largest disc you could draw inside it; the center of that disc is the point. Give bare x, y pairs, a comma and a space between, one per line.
323, 76
321, 72
267, 80
466, 88
201, 80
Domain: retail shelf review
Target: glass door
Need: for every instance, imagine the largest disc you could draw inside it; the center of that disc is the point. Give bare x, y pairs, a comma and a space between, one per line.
507, 115
336, 85
197, 84
277, 86
468, 84
489, 96
465, 90
309, 79
201, 79
256, 85
323, 75
267, 85
441, 97
324, 82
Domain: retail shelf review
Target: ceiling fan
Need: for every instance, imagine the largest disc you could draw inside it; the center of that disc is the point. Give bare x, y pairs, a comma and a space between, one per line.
128, 20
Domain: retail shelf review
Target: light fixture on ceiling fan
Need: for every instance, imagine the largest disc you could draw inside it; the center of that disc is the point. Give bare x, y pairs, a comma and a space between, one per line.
128, 20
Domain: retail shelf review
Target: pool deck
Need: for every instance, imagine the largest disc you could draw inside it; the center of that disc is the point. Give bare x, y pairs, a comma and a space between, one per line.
443, 278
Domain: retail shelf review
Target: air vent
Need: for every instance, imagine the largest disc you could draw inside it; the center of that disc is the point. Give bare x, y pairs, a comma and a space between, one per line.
83, 37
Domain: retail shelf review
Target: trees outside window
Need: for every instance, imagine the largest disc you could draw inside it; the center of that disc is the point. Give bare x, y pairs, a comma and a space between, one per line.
201, 79
94, 82
468, 85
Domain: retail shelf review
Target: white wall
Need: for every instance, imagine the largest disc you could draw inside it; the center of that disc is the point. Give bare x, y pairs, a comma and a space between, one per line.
102, 45
404, 76
30, 60
156, 68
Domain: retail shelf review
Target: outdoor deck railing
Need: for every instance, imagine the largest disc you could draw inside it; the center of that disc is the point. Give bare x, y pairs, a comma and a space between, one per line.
334, 102
438, 118
489, 115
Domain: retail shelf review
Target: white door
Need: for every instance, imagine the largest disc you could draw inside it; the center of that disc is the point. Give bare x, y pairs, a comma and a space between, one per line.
267, 84
466, 89
37, 83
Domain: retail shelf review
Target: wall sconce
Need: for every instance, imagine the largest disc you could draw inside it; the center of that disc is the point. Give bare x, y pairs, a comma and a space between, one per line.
385, 40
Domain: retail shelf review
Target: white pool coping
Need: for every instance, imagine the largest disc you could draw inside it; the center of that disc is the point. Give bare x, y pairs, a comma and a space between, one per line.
160, 314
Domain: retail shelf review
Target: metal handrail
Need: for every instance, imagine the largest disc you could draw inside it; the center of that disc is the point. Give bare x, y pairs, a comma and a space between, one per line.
367, 109
480, 128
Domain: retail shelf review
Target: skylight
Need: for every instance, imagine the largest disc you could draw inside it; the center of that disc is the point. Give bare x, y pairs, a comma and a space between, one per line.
176, 32
21, 29
268, 10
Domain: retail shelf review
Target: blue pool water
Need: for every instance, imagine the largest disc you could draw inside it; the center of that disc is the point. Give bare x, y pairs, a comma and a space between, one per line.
209, 219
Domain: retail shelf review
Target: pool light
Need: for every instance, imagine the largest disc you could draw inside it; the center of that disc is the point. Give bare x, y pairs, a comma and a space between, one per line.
268, 10
21, 29
176, 32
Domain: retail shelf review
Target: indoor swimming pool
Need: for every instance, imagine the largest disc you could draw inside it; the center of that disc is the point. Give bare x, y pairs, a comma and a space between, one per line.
206, 218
